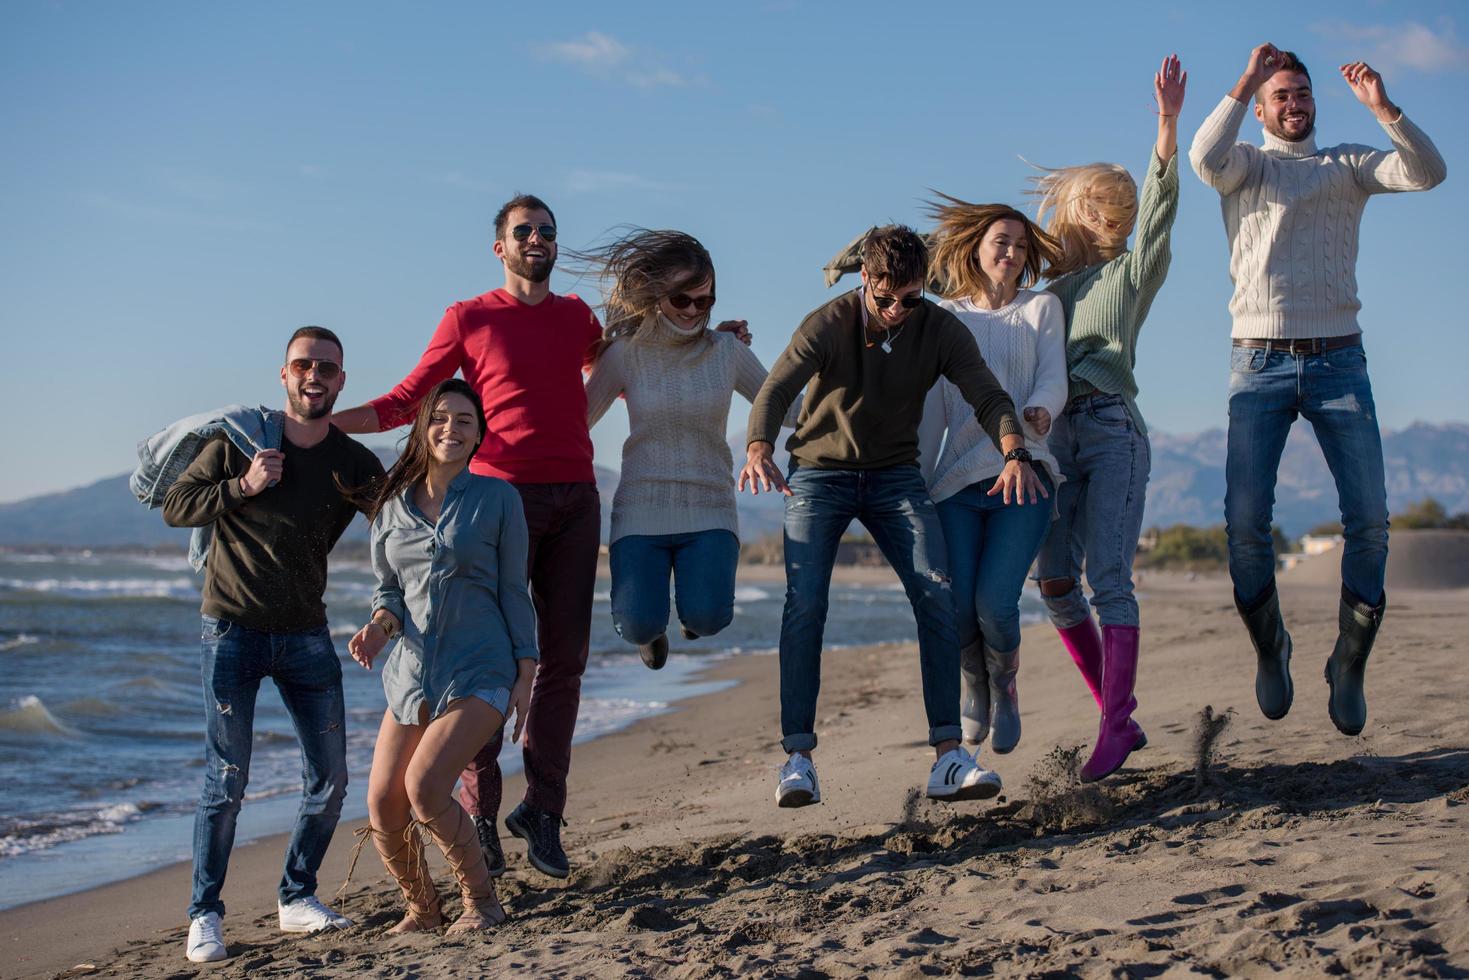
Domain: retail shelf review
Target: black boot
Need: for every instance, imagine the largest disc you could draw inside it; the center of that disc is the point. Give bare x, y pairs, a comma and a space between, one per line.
1346, 669
1273, 688
489, 843
541, 831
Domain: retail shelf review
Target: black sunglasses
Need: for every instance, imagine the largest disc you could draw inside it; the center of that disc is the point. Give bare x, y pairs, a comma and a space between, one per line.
909, 302
325, 370
682, 301
522, 232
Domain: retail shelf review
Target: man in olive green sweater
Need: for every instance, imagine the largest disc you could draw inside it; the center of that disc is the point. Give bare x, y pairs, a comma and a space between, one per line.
870, 357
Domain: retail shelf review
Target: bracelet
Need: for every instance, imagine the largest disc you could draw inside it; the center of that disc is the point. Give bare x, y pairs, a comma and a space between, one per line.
374, 621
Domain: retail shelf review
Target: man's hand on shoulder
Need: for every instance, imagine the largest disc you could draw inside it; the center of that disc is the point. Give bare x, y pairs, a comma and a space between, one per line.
740, 328
265, 471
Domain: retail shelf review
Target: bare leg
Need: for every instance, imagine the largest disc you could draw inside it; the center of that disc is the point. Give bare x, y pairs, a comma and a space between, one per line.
390, 823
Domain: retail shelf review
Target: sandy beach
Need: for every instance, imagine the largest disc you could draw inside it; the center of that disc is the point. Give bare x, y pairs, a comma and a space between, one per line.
1283, 846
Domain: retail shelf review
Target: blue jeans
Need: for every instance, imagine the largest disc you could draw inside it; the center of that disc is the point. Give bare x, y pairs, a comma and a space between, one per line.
305, 669
991, 545
702, 564
893, 504
1099, 510
1267, 391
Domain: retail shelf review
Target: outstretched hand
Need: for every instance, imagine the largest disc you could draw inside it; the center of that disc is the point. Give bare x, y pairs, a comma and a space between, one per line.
1367, 86
1168, 85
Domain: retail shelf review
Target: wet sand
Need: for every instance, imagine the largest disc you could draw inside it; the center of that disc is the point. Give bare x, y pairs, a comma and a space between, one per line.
1292, 848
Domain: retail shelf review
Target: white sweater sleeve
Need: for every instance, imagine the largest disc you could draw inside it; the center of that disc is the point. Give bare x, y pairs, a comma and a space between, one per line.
1414, 163
606, 382
1052, 383
1220, 160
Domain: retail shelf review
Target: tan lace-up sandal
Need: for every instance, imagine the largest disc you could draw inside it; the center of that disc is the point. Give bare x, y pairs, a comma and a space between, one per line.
452, 830
402, 854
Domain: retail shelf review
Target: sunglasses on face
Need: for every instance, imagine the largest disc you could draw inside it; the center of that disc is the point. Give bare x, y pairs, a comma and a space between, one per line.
523, 232
910, 302
682, 301
325, 370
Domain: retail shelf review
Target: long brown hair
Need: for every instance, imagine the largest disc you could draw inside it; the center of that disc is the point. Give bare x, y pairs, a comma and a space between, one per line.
954, 254
412, 464
637, 269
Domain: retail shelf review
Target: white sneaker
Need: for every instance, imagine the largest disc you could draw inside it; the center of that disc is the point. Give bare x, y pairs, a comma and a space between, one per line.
310, 915
206, 939
797, 786
956, 776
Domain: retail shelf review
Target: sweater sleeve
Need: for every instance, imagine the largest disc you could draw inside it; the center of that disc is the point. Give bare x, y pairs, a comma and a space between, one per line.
607, 381
963, 365
514, 592
1414, 163
444, 356
1052, 382
931, 429
208, 488
1157, 208
750, 375
1220, 160
800, 361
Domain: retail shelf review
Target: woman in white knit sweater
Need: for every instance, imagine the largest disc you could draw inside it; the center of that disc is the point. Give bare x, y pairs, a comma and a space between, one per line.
983, 255
674, 510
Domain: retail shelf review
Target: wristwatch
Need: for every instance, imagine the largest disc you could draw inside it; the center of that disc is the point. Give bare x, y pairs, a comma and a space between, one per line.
1019, 453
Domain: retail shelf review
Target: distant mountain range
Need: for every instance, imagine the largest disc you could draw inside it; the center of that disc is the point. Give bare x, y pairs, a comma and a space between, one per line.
1187, 487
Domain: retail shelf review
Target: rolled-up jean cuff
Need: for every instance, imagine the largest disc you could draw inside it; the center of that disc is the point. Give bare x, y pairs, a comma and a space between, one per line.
1067, 610
799, 743
945, 733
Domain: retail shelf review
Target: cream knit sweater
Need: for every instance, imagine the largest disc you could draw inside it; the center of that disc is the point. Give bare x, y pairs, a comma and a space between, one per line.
677, 471
1024, 345
1292, 214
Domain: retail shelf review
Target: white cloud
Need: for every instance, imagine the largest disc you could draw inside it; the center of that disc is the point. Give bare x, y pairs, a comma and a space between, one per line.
604, 56
1409, 45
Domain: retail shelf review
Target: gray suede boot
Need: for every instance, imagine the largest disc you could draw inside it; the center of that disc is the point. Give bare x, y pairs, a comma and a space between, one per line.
1273, 688
1003, 665
1346, 668
974, 694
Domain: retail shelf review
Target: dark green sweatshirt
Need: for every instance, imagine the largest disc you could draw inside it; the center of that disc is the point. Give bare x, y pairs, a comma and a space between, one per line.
267, 565
863, 404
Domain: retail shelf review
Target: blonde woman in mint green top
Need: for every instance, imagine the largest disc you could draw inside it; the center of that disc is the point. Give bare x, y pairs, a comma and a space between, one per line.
1099, 440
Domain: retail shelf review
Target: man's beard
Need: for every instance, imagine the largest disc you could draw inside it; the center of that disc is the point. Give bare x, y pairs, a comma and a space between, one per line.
1278, 130
301, 409
538, 272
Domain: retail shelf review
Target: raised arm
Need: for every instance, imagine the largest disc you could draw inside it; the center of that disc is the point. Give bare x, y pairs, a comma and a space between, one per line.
606, 382
1414, 163
444, 356
1217, 156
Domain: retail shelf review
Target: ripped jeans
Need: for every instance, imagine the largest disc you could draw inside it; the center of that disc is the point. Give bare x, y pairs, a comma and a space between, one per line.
1268, 391
306, 671
893, 505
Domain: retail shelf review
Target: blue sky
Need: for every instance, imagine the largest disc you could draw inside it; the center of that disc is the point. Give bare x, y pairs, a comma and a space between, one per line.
183, 184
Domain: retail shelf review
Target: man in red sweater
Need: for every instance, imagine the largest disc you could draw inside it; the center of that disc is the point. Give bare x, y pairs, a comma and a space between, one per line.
523, 349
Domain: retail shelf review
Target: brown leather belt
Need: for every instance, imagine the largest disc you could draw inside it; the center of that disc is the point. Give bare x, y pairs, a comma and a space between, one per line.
1304, 345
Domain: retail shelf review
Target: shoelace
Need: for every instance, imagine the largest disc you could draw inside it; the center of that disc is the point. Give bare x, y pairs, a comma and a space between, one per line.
209, 931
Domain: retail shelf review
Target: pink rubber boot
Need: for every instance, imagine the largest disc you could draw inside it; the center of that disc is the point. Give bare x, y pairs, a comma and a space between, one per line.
1084, 642
1115, 736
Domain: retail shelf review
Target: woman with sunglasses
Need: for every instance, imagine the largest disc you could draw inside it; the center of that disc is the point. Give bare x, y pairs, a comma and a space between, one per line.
984, 255
1099, 440
449, 549
674, 510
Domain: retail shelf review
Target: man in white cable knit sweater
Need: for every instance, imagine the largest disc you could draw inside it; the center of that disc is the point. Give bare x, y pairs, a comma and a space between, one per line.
1292, 212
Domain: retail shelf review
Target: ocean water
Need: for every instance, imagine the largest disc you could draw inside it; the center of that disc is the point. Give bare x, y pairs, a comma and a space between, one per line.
102, 712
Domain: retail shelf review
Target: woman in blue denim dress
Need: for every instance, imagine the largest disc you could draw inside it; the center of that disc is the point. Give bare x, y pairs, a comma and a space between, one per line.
449, 550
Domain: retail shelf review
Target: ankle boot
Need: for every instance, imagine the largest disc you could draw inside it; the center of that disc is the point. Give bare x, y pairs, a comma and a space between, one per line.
1346, 668
1273, 688
402, 854
1115, 737
1084, 642
454, 832
974, 694
1003, 665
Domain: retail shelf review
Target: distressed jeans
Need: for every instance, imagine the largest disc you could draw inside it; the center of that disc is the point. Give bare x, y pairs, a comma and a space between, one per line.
1268, 390
893, 505
305, 669
702, 564
1105, 460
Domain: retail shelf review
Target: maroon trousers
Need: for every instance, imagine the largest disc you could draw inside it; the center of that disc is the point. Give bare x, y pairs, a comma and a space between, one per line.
564, 520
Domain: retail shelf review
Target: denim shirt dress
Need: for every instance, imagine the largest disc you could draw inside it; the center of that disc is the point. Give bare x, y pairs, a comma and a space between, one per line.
459, 589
